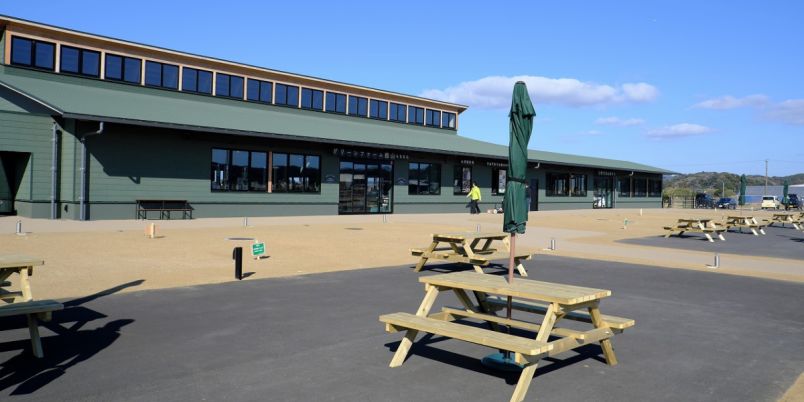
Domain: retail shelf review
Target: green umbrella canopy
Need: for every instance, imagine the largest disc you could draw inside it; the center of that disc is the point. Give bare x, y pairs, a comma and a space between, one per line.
515, 215
785, 192
743, 184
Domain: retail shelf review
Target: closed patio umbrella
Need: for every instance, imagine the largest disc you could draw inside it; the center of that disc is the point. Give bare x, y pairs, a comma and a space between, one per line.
742, 190
785, 191
515, 215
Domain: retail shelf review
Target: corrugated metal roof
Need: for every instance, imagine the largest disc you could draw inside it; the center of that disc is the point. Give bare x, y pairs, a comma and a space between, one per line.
90, 99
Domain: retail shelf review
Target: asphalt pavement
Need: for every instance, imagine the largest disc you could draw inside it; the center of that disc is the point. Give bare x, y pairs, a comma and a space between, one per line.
699, 336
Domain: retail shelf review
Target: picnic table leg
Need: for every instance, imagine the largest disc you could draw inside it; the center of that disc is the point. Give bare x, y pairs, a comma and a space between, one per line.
25, 284
410, 335
36, 342
720, 236
467, 249
605, 344
530, 369
520, 268
423, 259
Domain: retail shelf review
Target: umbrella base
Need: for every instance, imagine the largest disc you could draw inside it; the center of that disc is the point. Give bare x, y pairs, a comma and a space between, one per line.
501, 362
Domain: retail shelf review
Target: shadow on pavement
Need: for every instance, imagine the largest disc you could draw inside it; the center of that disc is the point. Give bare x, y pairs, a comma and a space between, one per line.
70, 346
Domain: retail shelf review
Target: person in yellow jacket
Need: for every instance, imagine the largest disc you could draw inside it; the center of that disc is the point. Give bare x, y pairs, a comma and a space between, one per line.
474, 198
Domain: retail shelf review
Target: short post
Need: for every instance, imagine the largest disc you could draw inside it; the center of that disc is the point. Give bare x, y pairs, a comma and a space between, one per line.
552, 244
477, 228
640, 211
245, 221
237, 256
384, 218
150, 230
625, 223
19, 228
716, 262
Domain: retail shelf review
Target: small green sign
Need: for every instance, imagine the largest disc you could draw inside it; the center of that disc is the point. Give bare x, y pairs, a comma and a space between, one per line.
257, 249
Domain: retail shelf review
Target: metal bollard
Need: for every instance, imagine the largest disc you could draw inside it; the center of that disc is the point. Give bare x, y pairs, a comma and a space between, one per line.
553, 243
245, 221
19, 227
716, 262
477, 228
237, 256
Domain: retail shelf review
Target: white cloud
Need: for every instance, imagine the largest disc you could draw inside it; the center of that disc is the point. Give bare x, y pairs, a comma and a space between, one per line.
494, 92
730, 102
678, 131
790, 111
616, 121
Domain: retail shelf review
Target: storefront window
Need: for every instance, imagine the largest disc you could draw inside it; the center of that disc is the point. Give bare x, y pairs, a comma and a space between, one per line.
577, 183
424, 178
655, 187
499, 177
296, 173
462, 181
558, 184
624, 186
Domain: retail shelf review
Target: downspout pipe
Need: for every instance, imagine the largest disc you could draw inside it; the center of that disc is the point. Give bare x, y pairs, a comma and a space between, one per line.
84, 173
54, 172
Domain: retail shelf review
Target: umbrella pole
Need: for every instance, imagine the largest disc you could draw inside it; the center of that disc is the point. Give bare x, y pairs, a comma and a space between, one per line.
503, 360
510, 281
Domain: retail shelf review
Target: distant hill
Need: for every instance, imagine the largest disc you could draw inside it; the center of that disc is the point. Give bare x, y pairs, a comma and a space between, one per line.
712, 182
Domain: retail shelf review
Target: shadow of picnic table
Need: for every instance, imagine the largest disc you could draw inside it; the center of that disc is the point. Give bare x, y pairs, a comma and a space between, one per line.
69, 347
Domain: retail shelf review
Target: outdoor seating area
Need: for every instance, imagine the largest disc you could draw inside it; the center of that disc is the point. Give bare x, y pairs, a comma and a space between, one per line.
478, 249
787, 218
747, 222
20, 302
164, 208
698, 225
562, 302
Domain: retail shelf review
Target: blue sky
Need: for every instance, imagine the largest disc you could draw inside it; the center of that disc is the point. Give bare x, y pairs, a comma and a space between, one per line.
687, 86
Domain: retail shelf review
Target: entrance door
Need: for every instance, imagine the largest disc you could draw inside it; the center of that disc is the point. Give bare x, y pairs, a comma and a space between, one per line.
365, 187
533, 188
603, 192
12, 168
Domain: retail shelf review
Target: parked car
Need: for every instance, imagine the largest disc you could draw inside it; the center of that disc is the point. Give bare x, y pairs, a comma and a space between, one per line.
727, 203
770, 202
793, 202
703, 200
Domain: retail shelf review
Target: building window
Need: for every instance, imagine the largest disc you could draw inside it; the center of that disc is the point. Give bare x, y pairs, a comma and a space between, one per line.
415, 115
239, 170
161, 75
655, 187
462, 180
358, 106
433, 118
33, 53
448, 120
336, 103
398, 112
379, 109
499, 176
260, 91
312, 99
287, 95
296, 173
424, 178
558, 184
199, 81
640, 187
79, 61
577, 185
624, 186
120, 68
229, 86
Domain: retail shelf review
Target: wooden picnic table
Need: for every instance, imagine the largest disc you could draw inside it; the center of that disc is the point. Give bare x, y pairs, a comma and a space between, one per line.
786, 218
741, 222
473, 248
20, 302
700, 225
554, 301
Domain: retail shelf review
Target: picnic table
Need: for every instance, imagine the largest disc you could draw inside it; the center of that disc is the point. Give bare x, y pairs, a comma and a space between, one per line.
700, 225
786, 218
473, 248
741, 222
20, 302
553, 301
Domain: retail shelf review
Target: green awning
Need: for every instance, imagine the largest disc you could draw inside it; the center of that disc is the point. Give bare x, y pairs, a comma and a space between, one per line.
88, 99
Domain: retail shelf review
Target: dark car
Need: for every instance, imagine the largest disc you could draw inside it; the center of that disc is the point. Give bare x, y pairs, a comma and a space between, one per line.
703, 200
793, 202
727, 203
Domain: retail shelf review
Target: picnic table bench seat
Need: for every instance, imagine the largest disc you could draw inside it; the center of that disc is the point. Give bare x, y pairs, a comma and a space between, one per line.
401, 321
40, 310
616, 323
481, 258
164, 207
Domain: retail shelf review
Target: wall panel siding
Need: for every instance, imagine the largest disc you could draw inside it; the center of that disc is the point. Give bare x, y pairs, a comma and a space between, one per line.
29, 134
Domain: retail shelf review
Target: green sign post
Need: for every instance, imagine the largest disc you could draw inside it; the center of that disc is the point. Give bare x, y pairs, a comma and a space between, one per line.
258, 249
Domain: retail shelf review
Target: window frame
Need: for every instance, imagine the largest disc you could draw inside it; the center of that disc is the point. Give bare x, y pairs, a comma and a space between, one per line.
260, 85
32, 53
430, 181
429, 115
394, 111
550, 177
651, 182
625, 179
445, 115
313, 92
377, 104
288, 176
495, 180
123, 69
197, 71
80, 62
229, 167
572, 184
229, 78
415, 120
161, 75
359, 100
335, 97
286, 91
456, 179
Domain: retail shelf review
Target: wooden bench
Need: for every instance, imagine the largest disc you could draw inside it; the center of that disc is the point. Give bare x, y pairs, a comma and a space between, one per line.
496, 303
479, 258
164, 207
707, 231
40, 310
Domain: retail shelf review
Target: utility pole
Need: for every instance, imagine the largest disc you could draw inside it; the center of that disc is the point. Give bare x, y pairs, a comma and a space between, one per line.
723, 190
766, 178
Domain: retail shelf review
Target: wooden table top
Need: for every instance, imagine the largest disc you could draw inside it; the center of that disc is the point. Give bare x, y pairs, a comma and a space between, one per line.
740, 217
521, 288
19, 260
695, 220
470, 235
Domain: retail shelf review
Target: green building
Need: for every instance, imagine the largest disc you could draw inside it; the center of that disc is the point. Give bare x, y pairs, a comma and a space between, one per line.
91, 125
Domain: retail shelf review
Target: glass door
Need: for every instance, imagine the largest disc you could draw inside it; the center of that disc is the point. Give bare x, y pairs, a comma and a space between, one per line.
603, 192
365, 188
